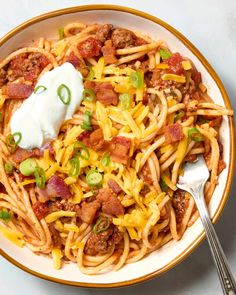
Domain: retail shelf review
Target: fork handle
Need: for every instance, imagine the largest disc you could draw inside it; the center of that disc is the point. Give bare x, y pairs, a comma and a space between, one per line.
226, 278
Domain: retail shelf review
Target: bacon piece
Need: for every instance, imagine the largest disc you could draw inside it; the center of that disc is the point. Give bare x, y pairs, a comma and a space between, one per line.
104, 32
17, 90
146, 174
104, 92
56, 187
40, 209
90, 47
96, 139
110, 203
88, 211
3, 77
119, 149
173, 133
78, 63
114, 186
93, 140
20, 154
109, 53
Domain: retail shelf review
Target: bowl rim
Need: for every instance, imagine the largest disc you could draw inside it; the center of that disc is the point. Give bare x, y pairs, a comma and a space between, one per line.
225, 97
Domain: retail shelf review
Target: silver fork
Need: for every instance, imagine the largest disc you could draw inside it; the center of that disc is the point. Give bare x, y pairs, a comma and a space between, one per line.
193, 181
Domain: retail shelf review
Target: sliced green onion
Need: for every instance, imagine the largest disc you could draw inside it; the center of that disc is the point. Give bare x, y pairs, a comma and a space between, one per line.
61, 33
79, 145
87, 121
8, 167
17, 135
165, 53
39, 89
90, 75
13, 140
40, 177
28, 167
125, 100
88, 94
163, 185
194, 134
94, 178
75, 167
105, 160
136, 79
64, 94
5, 215
179, 115
1, 117
101, 225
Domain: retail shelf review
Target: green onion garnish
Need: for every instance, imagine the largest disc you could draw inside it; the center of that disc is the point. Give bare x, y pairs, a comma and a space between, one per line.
194, 134
88, 94
39, 89
64, 94
164, 53
61, 33
105, 160
90, 75
179, 115
125, 100
8, 167
136, 79
79, 145
28, 167
101, 225
40, 177
1, 117
13, 140
94, 178
163, 185
5, 215
75, 167
87, 121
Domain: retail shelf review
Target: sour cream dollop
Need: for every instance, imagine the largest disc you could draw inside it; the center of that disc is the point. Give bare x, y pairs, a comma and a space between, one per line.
41, 115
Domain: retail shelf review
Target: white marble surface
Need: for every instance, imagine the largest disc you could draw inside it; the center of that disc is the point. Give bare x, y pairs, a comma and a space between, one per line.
211, 26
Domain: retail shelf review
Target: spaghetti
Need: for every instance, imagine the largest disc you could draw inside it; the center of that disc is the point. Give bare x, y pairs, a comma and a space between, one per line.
103, 193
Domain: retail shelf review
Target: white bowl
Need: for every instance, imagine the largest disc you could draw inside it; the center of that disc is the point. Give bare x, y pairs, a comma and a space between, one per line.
172, 253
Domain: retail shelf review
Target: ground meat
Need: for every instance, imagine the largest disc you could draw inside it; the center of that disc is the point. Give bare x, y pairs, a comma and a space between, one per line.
78, 63
101, 243
173, 133
40, 209
122, 38
114, 186
56, 239
3, 77
61, 205
90, 47
175, 64
26, 65
180, 204
104, 32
